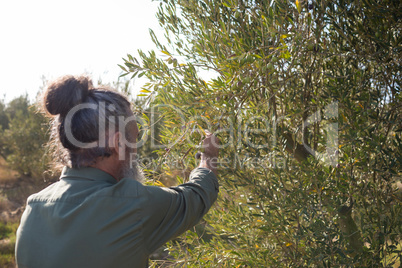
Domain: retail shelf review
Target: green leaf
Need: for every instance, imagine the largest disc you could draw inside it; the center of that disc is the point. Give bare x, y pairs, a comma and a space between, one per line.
298, 6
144, 90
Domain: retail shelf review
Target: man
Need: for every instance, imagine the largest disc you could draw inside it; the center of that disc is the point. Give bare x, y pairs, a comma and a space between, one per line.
99, 214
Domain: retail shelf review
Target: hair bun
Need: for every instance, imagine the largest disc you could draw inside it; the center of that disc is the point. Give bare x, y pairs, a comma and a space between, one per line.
65, 92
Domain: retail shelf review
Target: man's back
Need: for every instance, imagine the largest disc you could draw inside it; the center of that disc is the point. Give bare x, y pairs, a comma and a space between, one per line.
87, 219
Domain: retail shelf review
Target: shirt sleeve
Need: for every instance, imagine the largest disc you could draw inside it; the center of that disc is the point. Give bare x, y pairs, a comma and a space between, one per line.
168, 212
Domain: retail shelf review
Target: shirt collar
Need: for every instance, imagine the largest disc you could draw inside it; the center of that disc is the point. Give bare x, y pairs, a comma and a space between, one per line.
88, 173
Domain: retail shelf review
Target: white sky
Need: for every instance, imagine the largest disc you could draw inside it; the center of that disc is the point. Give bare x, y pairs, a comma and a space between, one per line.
52, 38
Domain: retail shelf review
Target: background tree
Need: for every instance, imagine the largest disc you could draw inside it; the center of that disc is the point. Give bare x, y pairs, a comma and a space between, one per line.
3, 115
306, 99
24, 137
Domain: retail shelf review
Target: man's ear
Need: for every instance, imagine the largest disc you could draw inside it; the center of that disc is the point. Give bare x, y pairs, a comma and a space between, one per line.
116, 143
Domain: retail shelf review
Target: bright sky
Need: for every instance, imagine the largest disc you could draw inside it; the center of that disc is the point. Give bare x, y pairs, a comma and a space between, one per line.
53, 38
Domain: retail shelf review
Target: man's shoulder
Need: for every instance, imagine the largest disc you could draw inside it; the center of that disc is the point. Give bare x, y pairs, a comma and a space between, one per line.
63, 191
126, 188
43, 194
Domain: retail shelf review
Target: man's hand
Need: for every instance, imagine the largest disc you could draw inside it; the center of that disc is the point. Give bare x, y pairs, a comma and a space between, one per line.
209, 158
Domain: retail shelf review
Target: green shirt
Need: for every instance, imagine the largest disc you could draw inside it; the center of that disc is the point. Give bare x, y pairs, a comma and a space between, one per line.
87, 219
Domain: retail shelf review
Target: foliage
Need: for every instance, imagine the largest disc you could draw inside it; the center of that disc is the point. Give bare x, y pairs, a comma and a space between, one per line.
306, 101
8, 230
23, 141
3, 115
7, 244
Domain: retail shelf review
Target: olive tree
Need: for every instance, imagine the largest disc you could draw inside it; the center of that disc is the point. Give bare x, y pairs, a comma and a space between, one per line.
305, 98
23, 138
